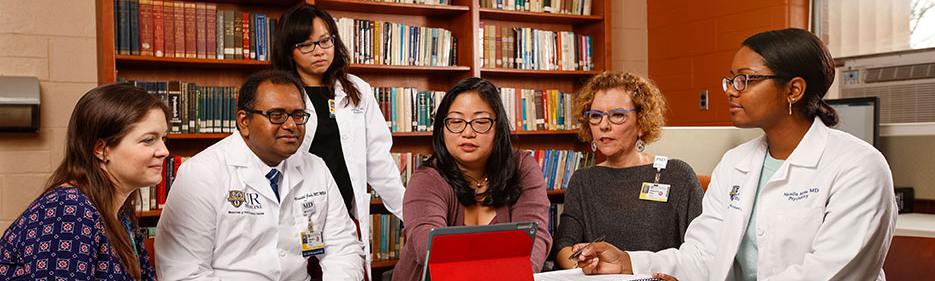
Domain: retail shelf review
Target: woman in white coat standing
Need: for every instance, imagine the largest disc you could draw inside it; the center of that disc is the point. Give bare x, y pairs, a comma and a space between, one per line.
351, 135
801, 202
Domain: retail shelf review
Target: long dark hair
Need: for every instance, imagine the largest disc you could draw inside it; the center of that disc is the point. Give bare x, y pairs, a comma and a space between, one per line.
795, 52
106, 113
503, 179
294, 27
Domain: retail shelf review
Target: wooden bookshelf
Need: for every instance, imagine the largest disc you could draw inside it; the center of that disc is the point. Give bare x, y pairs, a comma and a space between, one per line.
145, 214
462, 18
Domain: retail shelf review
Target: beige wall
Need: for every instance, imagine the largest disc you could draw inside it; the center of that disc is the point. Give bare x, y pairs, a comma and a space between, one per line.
912, 160
628, 36
55, 41
700, 147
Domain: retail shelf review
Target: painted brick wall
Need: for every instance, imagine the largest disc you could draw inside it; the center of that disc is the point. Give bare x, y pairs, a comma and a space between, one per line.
692, 43
54, 41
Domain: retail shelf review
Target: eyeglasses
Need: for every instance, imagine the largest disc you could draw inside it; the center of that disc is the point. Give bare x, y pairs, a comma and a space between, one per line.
309, 46
278, 116
740, 81
480, 125
616, 116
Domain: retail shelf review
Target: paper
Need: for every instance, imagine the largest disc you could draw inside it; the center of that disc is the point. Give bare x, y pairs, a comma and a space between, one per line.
577, 274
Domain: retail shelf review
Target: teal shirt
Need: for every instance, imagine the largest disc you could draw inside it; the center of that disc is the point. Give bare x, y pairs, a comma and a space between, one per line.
746, 259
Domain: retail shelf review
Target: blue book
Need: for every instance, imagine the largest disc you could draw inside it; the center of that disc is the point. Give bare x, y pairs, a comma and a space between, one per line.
569, 168
385, 229
546, 166
393, 106
262, 37
134, 27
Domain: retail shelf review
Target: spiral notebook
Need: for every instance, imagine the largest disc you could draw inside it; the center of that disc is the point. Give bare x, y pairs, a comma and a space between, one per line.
577, 274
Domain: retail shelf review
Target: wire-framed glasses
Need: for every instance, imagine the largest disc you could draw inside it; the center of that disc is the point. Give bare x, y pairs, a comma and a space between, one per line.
480, 125
740, 81
616, 116
309, 46
278, 116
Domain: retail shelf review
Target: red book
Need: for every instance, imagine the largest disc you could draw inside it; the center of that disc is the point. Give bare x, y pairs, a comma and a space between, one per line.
146, 27
246, 35
158, 29
161, 187
200, 31
179, 16
211, 26
168, 18
191, 45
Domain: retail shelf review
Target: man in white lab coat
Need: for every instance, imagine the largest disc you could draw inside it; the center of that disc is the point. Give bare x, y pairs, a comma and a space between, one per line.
250, 208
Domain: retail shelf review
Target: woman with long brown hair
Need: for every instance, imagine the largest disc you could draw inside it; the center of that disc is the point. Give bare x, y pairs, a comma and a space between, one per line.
83, 226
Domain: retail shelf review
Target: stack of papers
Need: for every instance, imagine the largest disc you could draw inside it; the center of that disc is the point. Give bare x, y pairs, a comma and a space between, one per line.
577, 274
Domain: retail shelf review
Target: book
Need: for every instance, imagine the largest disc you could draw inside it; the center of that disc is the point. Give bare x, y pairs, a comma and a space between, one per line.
123, 27
201, 36
158, 29
211, 30
134, 27
245, 20
252, 35
179, 16
191, 31
219, 53
168, 19
238, 35
229, 30
174, 92
146, 27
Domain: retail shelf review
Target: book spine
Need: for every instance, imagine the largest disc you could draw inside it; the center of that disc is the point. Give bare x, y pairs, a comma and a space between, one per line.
179, 16
146, 27
158, 29
253, 40
123, 27
211, 30
262, 37
245, 20
229, 35
191, 31
174, 93
168, 36
201, 35
220, 35
238, 35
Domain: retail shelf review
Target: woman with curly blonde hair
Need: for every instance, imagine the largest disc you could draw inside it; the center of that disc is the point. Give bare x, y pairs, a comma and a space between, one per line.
625, 198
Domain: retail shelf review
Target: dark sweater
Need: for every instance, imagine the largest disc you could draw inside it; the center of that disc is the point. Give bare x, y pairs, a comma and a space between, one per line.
605, 201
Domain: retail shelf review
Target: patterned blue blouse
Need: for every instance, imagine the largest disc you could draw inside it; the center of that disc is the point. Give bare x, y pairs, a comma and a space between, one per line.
61, 237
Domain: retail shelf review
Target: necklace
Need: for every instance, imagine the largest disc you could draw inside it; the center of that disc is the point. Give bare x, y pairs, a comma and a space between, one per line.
479, 184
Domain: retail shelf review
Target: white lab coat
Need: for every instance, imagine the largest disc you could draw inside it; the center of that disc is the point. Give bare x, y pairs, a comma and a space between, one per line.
828, 213
205, 235
366, 143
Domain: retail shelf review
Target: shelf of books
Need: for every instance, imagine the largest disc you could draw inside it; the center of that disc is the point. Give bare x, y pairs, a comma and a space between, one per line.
421, 8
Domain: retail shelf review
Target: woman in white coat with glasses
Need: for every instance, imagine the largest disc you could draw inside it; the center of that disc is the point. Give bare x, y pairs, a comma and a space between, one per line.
351, 136
801, 202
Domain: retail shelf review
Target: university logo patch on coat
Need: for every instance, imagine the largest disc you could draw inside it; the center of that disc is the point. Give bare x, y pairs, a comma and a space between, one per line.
235, 197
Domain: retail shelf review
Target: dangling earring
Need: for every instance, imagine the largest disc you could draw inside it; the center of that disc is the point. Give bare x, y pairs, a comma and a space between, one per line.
790, 106
640, 145
593, 146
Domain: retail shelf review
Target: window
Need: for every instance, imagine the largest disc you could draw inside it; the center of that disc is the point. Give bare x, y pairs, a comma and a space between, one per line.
861, 27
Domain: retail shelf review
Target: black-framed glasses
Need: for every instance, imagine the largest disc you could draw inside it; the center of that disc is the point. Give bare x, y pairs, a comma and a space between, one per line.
740, 81
309, 46
278, 116
616, 116
480, 125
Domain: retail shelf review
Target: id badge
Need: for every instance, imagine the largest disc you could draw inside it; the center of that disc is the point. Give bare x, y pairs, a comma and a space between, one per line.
331, 107
312, 244
655, 192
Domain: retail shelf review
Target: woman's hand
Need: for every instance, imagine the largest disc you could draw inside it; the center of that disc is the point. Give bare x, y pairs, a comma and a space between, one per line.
602, 258
664, 277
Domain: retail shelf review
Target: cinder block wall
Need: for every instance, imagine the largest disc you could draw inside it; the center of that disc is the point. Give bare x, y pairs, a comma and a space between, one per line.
54, 41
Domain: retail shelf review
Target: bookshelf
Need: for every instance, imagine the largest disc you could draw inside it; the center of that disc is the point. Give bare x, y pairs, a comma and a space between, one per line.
461, 17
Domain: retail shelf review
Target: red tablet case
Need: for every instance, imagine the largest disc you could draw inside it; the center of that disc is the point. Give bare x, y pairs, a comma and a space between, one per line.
481, 256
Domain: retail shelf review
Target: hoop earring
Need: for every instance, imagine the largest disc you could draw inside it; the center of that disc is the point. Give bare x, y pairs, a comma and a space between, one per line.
640, 145
593, 146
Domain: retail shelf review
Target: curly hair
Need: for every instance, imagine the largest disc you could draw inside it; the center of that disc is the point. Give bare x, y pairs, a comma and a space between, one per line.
649, 102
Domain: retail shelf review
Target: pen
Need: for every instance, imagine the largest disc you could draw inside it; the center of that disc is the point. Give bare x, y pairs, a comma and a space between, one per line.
578, 253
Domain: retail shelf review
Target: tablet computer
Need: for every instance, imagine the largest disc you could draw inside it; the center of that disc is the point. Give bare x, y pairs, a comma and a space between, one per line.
481, 252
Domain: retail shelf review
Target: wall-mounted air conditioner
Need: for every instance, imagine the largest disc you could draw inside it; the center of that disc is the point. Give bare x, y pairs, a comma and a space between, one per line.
905, 83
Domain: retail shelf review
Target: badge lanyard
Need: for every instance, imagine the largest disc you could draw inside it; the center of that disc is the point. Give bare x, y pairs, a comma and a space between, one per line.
656, 191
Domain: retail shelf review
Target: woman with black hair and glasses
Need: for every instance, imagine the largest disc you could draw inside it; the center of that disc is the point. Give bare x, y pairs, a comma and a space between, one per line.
801, 202
351, 135
474, 177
